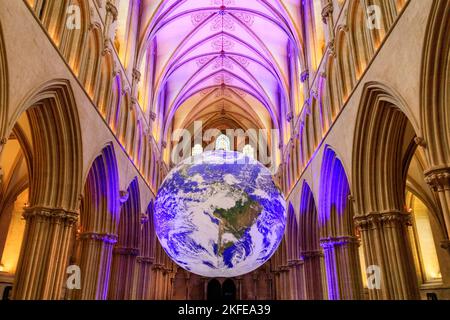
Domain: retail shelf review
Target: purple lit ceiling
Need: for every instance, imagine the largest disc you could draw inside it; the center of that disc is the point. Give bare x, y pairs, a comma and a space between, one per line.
217, 57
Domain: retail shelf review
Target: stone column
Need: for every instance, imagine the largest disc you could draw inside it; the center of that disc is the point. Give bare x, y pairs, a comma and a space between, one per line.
387, 248
342, 268
297, 280
122, 273
144, 279
239, 281
157, 283
44, 254
285, 283
439, 181
313, 274
95, 265
188, 285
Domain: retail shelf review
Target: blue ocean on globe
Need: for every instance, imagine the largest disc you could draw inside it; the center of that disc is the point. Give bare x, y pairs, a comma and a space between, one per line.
220, 214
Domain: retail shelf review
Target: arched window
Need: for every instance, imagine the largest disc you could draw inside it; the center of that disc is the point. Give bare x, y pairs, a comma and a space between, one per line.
249, 151
223, 143
197, 150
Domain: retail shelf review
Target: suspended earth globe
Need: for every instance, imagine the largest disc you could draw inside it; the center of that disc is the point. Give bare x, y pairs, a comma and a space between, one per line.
219, 214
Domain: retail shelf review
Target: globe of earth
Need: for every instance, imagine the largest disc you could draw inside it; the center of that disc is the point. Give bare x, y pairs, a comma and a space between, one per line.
220, 214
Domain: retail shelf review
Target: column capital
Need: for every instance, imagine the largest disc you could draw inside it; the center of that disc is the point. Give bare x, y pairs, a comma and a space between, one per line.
51, 213
306, 255
438, 178
295, 262
332, 242
375, 220
103, 237
125, 251
145, 260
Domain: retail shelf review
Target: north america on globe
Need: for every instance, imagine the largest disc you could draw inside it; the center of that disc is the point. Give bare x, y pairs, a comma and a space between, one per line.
220, 214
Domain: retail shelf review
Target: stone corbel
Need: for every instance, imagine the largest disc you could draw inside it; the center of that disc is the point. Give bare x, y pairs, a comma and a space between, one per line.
327, 11
289, 117
438, 179
144, 218
136, 75
445, 244
123, 196
420, 142
304, 76
112, 10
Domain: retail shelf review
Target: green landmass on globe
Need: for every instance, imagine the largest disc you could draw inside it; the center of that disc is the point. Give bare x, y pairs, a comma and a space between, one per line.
236, 220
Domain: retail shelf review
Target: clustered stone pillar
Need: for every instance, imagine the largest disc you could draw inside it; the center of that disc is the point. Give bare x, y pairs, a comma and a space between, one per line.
386, 246
439, 180
44, 254
95, 265
342, 267
160, 289
297, 280
122, 273
313, 274
144, 281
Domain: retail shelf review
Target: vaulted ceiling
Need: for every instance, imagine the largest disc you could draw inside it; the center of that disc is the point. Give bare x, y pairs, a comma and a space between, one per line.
222, 59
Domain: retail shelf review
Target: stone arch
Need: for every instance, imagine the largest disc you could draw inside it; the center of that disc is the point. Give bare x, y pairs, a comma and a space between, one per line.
292, 234
379, 153
73, 41
97, 231
338, 239
126, 249
345, 61
383, 148
334, 90
309, 242
55, 187
104, 93
90, 64
3, 90
146, 258
51, 14
114, 107
360, 40
435, 83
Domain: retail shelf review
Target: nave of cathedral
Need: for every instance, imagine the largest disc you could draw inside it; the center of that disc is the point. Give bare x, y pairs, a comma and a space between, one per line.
350, 99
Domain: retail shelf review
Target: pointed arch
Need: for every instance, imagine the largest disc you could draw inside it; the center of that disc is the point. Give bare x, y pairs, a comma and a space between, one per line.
103, 99
309, 242
90, 65
292, 235
384, 144
435, 84
338, 237
126, 249
360, 39
4, 83
97, 231
55, 188
72, 44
